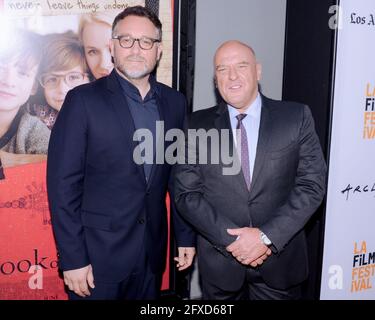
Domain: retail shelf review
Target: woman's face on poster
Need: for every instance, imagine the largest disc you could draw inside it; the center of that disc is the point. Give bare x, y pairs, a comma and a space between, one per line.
17, 83
57, 84
96, 38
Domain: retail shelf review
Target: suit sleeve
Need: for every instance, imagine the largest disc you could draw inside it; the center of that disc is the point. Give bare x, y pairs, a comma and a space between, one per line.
65, 176
192, 204
307, 192
184, 234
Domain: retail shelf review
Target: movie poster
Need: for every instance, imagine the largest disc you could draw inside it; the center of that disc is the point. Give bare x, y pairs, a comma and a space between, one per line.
47, 47
349, 244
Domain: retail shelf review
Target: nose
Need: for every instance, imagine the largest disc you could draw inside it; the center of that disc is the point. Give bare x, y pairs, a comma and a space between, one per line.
233, 75
135, 48
8, 77
62, 87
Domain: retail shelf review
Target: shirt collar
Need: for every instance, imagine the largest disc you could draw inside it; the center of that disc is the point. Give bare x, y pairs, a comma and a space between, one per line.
132, 91
253, 110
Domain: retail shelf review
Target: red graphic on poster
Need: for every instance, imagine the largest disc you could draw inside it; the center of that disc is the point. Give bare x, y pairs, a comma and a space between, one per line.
28, 262
165, 282
28, 258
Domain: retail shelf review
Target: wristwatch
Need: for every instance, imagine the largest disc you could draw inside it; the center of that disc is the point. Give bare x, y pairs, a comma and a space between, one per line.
266, 241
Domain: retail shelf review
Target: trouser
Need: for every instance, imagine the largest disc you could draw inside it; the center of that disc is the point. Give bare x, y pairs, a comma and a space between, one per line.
141, 284
254, 288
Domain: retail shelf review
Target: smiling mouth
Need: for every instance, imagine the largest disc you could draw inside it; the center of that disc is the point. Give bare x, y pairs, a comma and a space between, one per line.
135, 59
6, 94
235, 87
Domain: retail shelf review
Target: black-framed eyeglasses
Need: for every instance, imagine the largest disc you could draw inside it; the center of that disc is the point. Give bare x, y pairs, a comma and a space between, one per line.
144, 43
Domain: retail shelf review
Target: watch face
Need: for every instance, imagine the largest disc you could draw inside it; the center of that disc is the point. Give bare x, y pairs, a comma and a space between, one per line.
265, 239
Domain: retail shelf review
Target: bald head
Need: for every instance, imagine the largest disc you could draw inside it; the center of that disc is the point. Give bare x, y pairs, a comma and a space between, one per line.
237, 74
233, 44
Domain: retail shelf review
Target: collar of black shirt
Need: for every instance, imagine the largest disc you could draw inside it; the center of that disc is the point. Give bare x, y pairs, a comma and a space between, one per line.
132, 91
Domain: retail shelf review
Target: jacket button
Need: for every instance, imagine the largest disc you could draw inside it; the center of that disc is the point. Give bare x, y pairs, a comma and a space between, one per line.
141, 221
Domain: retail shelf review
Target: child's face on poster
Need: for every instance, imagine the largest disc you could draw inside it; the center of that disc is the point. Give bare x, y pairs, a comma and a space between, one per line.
58, 83
17, 83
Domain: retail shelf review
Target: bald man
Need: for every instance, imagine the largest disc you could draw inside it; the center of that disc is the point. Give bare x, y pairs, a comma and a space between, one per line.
251, 240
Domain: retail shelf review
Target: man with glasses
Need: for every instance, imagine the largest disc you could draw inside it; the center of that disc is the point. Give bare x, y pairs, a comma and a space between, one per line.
108, 212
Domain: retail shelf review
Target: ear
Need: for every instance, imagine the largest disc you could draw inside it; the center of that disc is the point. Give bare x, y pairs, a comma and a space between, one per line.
159, 50
112, 46
258, 67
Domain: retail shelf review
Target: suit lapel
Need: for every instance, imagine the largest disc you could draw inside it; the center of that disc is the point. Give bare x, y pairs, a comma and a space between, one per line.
121, 108
265, 130
223, 122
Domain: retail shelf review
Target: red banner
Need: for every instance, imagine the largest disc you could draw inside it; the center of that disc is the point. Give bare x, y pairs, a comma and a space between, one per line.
28, 262
28, 259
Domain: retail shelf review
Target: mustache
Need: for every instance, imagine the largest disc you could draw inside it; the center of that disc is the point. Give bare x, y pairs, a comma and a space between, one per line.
135, 58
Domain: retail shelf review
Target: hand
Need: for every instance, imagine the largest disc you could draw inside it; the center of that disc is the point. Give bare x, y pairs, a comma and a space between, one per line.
248, 249
257, 262
78, 279
185, 257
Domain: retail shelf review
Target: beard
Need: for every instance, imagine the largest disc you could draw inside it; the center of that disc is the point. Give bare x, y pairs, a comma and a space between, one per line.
132, 73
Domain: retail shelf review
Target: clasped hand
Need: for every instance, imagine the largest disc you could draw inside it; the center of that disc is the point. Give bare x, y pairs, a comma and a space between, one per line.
248, 248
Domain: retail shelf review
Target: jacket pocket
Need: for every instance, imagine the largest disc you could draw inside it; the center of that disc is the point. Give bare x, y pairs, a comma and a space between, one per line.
96, 220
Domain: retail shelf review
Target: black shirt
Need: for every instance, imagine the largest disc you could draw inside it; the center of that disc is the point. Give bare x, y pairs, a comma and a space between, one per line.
144, 112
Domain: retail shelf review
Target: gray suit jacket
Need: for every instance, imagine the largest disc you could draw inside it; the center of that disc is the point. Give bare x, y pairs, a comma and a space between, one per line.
288, 185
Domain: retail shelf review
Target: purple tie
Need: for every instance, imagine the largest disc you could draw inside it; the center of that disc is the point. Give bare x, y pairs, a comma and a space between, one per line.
245, 163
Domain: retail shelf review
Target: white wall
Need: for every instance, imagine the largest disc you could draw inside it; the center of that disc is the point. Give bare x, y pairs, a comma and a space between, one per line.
259, 23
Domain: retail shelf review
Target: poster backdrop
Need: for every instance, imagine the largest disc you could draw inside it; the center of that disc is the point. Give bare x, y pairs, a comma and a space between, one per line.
47, 47
349, 244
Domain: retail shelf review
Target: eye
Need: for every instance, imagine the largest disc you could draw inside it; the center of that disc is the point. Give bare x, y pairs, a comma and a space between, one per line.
92, 52
242, 66
146, 42
23, 73
126, 41
50, 80
74, 77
